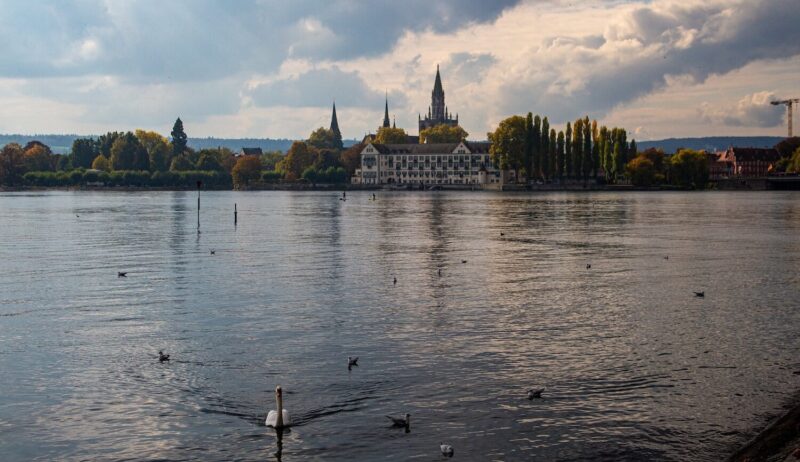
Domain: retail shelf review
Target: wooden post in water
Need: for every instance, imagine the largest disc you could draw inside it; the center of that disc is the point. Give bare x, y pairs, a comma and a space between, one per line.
199, 184
235, 215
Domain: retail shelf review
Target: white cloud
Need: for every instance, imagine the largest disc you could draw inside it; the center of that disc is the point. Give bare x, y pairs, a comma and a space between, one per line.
753, 110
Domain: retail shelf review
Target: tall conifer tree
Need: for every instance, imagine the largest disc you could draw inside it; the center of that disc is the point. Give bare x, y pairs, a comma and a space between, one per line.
545, 147
568, 151
537, 146
560, 155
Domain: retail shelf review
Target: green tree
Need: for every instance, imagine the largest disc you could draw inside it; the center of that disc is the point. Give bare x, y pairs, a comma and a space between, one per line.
508, 144
595, 149
528, 157
324, 138
84, 150
577, 148
105, 142
389, 135
12, 164
246, 170
553, 154
586, 161
128, 154
568, 167
793, 166
159, 151
633, 151
544, 148
641, 171
560, 155
209, 162
269, 159
536, 141
101, 163
442, 133
181, 163
620, 150
179, 138
689, 169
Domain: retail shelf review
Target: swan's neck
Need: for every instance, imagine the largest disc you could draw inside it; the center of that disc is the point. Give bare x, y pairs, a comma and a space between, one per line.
279, 421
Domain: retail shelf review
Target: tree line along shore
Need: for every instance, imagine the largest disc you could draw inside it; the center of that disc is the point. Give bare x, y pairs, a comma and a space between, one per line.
583, 151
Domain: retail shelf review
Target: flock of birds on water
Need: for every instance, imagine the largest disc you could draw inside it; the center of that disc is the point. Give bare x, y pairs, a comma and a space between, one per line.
279, 418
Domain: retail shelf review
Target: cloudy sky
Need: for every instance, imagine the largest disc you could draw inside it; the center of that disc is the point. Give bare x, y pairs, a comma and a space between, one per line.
271, 68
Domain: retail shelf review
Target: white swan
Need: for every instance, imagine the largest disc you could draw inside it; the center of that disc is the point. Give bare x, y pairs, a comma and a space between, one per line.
279, 418
446, 449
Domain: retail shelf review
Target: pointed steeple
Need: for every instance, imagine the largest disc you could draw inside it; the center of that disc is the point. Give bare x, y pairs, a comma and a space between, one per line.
437, 86
335, 122
394, 125
386, 112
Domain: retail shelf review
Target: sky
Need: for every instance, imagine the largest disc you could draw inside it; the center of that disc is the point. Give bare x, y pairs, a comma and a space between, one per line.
272, 68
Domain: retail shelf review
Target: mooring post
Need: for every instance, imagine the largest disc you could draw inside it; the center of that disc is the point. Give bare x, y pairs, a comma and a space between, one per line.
199, 183
235, 215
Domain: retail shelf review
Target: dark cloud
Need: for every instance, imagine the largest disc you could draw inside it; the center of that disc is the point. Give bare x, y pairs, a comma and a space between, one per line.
321, 86
193, 40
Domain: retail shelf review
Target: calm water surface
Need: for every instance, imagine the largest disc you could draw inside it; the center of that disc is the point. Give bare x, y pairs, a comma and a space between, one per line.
636, 367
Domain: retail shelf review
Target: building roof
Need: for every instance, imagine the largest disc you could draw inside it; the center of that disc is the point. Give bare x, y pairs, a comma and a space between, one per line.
251, 151
751, 154
436, 148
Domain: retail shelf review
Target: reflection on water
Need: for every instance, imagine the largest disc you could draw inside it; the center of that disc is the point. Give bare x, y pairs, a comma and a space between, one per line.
635, 367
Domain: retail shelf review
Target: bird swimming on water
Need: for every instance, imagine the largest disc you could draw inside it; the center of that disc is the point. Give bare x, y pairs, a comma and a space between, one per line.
446, 449
351, 362
399, 421
535, 393
162, 357
279, 418
440, 271
700, 294
395, 281
213, 252
463, 261
502, 234
121, 274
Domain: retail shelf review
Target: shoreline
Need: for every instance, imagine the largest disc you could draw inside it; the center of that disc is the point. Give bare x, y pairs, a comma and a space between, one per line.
776, 441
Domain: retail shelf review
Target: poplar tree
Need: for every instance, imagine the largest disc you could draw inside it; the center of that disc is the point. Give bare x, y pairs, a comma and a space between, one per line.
595, 150
537, 145
545, 147
568, 151
529, 140
586, 162
553, 158
577, 148
560, 155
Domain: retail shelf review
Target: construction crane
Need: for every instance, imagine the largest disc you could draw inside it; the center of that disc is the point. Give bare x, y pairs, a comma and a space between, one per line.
790, 108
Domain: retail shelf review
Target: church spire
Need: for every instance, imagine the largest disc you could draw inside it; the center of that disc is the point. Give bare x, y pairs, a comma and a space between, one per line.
386, 122
335, 122
437, 85
394, 125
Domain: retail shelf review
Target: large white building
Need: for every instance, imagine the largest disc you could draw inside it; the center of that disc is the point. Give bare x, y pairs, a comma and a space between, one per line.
464, 163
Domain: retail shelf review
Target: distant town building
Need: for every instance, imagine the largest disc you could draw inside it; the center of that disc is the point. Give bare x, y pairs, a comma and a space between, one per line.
251, 152
438, 113
749, 162
464, 163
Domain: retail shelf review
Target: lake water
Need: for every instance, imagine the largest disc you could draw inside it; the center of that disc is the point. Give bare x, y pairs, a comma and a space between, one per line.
635, 366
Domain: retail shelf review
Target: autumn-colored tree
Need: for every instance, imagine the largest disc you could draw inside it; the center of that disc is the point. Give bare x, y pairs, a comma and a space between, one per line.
84, 150
37, 159
246, 170
128, 154
159, 151
508, 143
641, 171
793, 165
389, 135
442, 133
179, 138
299, 157
12, 164
350, 158
101, 163
324, 138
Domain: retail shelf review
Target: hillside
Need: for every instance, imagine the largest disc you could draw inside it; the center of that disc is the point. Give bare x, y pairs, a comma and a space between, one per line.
711, 143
